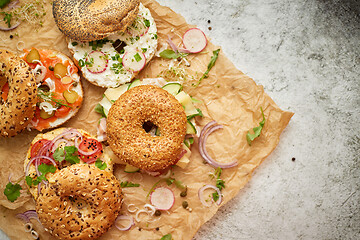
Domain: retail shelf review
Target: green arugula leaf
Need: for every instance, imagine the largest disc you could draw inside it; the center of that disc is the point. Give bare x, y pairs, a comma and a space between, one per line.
166, 237
129, 184
3, 3
257, 130
71, 154
100, 164
169, 54
12, 191
220, 184
209, 67
100, 109
59, 154
7, 18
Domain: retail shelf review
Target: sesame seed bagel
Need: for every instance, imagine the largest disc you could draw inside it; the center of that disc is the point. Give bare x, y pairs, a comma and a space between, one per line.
81, 202
19, 107
50, 136
89, 20
127, 137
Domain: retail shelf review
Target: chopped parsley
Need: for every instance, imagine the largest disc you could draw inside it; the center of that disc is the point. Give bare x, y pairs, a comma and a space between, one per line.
257, 130
98, 43
12, 191
68, 153
100, 164
144, 50
209, 67
147, 23
129, 184
44, 169
137, 57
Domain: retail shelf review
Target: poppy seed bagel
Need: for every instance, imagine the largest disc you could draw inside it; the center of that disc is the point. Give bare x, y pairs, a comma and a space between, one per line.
127, 137
19, 107
89, 20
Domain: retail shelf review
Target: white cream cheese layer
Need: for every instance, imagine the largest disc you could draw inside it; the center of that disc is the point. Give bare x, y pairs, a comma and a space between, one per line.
115, 74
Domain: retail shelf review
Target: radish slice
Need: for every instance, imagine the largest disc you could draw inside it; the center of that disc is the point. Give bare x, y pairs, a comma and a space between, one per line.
194, 40
139, 27
162, 198
97, 62
134, 61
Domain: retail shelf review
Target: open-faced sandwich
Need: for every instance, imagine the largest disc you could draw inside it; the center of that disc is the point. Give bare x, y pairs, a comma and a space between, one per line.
59, 90
106, 57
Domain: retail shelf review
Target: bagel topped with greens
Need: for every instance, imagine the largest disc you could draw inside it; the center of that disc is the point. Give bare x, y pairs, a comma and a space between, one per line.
118, 58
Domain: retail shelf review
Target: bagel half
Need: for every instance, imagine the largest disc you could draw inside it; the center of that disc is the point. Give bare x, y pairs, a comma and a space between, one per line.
50, 136
89, 20
17, 110
60, 109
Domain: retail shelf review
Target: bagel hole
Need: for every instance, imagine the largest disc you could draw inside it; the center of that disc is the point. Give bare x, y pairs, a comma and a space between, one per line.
119, 46
78, 203
150, 128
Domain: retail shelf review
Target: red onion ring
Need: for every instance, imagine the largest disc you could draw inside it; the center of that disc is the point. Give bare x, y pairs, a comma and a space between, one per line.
124, 217
57, 143
10, 28
205, 132
175, 48
201, 195
26, 216
35, 159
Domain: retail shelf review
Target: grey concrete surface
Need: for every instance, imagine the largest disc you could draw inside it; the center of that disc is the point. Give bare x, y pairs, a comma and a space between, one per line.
306, 54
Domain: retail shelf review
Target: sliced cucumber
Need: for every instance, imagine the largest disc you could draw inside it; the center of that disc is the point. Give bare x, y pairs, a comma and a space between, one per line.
190, 128
106, 105
173, 88
135, 83
131, 169
113, 94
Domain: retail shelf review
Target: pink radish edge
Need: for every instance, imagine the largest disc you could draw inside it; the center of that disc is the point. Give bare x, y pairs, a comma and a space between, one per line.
105, 61
205, 42
127, 62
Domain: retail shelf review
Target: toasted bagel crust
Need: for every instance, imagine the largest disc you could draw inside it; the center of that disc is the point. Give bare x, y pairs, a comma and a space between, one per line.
89, 20
128, 139
19, 108
98, 194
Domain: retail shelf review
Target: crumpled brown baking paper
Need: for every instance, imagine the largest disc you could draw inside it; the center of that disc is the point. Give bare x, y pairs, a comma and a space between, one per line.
227, 96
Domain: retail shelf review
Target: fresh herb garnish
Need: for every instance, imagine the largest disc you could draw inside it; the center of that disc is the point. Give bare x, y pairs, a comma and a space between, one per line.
68, 153
44, 169
257, 130
170, 54
98, 43
220, 184
144, 50
48, 97
166, 237
137, 57
129, 184
7, 18
3, 3
12, 191
100, 109
209, 67
100, 164
147, 23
